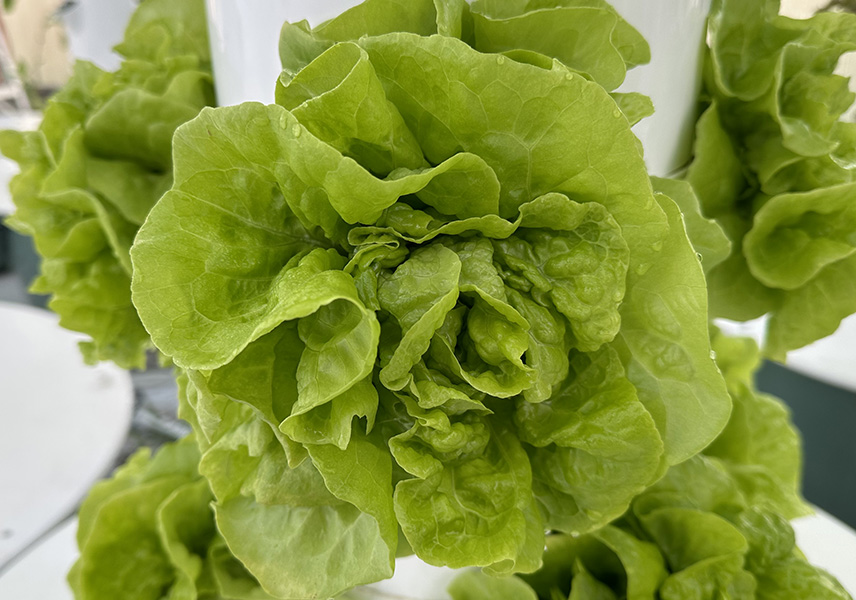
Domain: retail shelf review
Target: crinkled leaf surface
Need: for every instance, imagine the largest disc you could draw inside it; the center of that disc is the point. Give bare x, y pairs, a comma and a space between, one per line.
584, 476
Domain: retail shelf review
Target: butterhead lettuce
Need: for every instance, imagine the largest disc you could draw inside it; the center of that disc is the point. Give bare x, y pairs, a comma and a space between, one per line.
692, 535
148, 532
98, 162
774, 166
428, 302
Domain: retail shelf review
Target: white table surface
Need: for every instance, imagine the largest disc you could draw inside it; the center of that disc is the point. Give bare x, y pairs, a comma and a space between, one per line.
828, 543
40, 575
62, 424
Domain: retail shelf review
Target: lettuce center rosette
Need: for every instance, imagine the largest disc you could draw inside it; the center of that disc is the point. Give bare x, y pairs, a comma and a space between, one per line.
426, 303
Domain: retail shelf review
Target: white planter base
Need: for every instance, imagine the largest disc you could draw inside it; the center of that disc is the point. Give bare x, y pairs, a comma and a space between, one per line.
94, 27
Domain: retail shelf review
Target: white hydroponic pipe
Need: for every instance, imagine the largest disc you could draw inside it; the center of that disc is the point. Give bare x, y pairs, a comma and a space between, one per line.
244, 41
93, 27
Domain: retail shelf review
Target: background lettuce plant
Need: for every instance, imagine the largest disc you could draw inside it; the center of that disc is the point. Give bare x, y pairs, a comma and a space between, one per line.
98, 162
775, 167
429, 301
149, 532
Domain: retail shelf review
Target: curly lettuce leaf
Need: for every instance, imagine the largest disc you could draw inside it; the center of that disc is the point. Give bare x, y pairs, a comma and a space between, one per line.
610, 563
477, 511
589, 37
642, 230
290, 525
473, 585
813, 311
716, 172
796, 235
663, 346
419, 315
713, 526
717, 542
583, 478
707, 236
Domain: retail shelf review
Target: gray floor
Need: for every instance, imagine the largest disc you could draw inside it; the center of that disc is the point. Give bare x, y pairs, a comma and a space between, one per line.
12, 289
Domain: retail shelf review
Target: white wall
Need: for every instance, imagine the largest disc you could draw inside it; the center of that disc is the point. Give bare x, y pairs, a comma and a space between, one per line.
38, 41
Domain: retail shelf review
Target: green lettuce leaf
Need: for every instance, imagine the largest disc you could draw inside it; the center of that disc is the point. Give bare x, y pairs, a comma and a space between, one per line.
815, 310
583, 478
285, 525
478, 510
589, 37
707, 236
473, 585
662, 345
716, 542
760, 445
715, 526
796, 235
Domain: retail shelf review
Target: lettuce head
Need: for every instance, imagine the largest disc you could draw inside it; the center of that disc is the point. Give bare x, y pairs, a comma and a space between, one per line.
775, 166
428, 302
148, 532
98, 162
